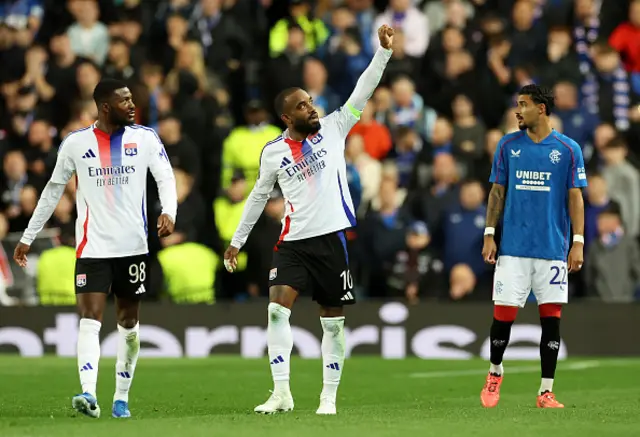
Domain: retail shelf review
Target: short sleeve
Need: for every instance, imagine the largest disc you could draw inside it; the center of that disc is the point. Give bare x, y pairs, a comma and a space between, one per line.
500, 167
577, 175
65, 166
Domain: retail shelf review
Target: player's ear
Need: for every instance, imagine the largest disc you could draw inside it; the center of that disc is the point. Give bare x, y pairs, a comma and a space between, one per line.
285, 118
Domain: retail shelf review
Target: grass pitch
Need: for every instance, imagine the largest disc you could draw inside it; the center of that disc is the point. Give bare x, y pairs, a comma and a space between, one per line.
215, 397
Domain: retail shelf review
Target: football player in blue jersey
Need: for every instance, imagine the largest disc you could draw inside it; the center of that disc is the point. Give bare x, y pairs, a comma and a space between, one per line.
537, 175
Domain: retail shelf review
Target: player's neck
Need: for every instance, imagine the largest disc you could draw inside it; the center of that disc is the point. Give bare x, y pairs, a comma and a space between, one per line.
107, 128
540, 132
296, 136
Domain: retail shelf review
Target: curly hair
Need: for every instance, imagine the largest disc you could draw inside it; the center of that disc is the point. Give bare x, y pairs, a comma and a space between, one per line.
541, 95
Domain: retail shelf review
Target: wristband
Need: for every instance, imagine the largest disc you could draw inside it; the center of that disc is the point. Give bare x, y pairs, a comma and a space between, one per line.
489, 230
578, 239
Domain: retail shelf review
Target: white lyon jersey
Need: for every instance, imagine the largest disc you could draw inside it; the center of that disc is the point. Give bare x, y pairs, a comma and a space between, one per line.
312, 173
111, 176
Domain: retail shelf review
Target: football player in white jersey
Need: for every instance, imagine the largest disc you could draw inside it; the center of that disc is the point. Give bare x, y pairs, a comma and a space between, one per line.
109, 160
311, 256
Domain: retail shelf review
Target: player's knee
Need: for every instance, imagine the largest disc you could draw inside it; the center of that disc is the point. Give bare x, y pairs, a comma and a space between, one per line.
92, 312
504, 313
127, 322
283, 295
550, 310
331, 311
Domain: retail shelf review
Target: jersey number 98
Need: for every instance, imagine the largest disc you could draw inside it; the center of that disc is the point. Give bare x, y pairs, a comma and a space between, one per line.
138, 273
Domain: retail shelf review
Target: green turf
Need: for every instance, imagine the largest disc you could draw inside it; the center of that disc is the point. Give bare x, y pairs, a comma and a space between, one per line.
212, 397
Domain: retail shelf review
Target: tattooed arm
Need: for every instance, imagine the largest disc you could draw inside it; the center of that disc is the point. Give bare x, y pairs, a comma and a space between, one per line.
496, 205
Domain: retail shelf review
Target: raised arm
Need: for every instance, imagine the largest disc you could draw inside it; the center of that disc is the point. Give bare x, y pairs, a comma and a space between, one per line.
347, 116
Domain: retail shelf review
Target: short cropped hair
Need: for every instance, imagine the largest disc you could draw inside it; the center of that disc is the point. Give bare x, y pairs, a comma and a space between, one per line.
540, 95
105, 88
281, 97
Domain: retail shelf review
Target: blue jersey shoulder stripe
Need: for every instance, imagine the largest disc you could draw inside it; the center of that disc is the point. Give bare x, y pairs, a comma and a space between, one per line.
265, 146
139, 126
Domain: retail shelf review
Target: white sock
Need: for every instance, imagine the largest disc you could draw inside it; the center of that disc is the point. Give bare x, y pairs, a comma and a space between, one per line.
280, 344
128, 351
496, 368
89, 354
546, 385
333, 350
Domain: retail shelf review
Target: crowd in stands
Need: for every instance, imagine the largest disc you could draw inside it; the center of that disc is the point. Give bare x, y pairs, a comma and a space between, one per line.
204, 74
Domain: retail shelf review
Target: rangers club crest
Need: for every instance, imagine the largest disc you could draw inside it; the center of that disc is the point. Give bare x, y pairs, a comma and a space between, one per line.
131, 149
81, 280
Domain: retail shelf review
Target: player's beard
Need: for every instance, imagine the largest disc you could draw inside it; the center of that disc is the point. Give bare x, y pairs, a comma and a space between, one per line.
306, 127
119, 120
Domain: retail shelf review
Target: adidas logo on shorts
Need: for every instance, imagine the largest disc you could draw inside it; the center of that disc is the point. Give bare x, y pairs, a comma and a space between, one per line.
347, 296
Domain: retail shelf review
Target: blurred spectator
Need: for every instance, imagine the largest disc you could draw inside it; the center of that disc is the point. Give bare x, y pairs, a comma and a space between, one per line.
118, 64
462, 282
41, 155
300, 13
400, 63
441, 13
182, 152
429, 205
623, 181
368, 168
611, 87
408, 109
286, 69
224, 41
382, 235
243, 147
613, 261
401, 14
468, 130
376, 136
342, 18
228, 209
577, 122
597, 200
462, 229
626, 39
347, 63
585, 33
603, 134
315, 83
355, 186
528, 36
416, 271
408, 145
89, 37
561, 62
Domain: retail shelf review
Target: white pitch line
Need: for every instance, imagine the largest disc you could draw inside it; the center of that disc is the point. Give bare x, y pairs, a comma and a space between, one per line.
579, 365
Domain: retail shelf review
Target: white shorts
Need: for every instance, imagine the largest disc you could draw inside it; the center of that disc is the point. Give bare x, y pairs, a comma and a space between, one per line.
516, 277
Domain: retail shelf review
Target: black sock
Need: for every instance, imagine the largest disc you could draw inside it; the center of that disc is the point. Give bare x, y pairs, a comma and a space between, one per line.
549, 345
500, 332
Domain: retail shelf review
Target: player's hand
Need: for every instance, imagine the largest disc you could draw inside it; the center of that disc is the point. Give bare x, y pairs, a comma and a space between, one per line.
489, 249
165, 226
576, 257
231, 258
20, 254
385, 33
